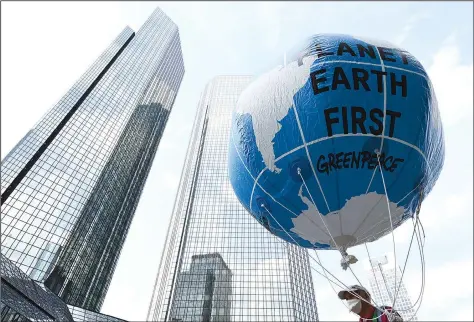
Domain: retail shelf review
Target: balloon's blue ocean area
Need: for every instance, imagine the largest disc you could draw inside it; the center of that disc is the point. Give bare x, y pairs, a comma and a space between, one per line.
342, 153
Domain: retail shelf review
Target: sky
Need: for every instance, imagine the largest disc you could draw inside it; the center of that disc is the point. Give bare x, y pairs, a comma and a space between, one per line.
46, 46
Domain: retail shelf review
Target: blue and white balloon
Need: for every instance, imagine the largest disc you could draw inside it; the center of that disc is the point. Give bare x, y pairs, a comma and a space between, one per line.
318, 146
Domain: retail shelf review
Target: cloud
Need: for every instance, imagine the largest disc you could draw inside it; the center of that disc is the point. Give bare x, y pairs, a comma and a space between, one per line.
409, 26
453, 83
446, 287
450, 208
463, 313
269, 17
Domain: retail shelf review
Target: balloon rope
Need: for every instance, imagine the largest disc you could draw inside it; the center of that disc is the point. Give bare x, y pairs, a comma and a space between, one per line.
418, 208
344, 258
420, 246
384, 312
393, 240
423, 271
366, 247
373, 272
293, 238
422, 290
416, 229
391, 223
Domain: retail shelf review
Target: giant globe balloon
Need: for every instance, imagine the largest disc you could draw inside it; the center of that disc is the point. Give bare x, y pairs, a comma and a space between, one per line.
338, 145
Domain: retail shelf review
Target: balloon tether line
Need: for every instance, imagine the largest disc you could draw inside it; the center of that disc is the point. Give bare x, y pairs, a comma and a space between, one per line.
384, 312
391, 222
342, 250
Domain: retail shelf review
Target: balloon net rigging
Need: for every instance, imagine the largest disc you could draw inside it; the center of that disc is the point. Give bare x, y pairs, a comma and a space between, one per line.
354, 111
347, 260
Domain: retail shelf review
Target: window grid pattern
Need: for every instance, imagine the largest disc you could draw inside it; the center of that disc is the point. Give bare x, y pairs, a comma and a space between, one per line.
57, 224
29, 144
382, 284
44, 206
24, 300
268, 279
80, 314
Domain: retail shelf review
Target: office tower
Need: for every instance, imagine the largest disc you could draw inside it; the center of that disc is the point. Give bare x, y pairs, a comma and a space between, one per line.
208, 283
381, 274
271, 279
71, 186
24, 300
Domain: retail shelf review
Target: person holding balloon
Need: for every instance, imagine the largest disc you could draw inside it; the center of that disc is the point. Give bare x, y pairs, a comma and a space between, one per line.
358, 301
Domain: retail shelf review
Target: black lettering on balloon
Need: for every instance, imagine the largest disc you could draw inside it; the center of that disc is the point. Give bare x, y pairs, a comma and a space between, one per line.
320, 52
347, 159
382, 159
394, 164
339, 160
356, 160
373, 113
402, 83
340, 78
385, 54
331, 162
345, 48
362, 120
344, 120
321, 165
393, 116
369, 50
388, 167
404, 57
359, 79
315, 81
358, 120
330, 121
373, 162
366, 156
380, 74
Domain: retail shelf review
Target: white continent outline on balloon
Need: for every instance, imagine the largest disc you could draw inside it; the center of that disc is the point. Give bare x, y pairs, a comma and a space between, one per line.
355, 209
268, 100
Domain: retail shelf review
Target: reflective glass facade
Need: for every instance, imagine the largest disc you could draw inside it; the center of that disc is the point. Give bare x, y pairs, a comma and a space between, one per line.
24, 300
71, 185
207, 283
219, 263
79, 314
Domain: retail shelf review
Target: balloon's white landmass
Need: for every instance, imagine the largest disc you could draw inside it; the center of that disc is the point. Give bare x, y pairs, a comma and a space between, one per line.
268, 100
308, 224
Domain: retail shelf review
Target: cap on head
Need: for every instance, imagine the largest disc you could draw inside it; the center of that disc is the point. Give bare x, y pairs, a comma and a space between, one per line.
352, 289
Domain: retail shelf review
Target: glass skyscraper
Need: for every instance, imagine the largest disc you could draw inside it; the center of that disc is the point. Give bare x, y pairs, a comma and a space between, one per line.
231, 268
211, 281
71, 185
381, 275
